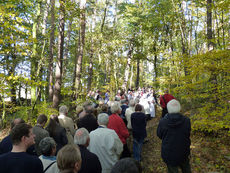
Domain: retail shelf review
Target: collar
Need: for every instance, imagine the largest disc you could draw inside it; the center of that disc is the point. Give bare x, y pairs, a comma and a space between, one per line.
102, 126
53, 158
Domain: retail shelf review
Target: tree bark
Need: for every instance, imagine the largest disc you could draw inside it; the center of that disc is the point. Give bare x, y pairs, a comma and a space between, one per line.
51, 51
209, 25
80, 46
138, 74
65, 60
58, 73
34, 57
128, 67
104, 16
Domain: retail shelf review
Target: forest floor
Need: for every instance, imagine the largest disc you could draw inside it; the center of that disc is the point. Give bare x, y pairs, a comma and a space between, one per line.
208, 154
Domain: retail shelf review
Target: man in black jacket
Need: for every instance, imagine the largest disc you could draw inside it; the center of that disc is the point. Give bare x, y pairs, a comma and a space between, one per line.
174, 130
90, 162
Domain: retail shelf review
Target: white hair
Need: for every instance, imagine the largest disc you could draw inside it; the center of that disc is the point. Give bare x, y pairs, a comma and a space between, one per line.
103, 119
63, 109
81, 136
173, 106
115, 107
137, 100
132, 103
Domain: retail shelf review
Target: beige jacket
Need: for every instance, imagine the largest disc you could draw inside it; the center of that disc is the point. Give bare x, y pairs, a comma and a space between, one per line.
68, 124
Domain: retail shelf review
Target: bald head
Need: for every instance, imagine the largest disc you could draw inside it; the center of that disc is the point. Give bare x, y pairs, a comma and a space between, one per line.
16, 121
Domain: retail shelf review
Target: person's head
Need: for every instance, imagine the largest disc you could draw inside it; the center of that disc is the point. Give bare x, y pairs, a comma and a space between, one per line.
47, 146
104, 108
79, 109
103, 119
63, 110
132, 103
15, 122
42, 119
138, 108
123, 101
89, 109
52, 125
117, 99
166, 90
173, 106
81, 137
69, 159
54, 117
137, 100
115, 107
22, 134
126, 165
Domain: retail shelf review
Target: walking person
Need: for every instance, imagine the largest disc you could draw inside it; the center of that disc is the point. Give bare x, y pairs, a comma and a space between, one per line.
174, 131
164, 99
138, 122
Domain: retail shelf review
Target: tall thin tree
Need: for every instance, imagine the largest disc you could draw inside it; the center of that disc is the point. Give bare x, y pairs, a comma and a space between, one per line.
58, 73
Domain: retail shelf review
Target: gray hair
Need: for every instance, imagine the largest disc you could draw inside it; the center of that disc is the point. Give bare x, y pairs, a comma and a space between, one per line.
132, 103
81, 136
63, 109
123, 101
46, 145
137, 100
103, 119
173, 106
115, 107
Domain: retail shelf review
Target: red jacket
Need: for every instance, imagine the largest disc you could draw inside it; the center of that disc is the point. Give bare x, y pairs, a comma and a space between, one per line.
116, 123
167, 98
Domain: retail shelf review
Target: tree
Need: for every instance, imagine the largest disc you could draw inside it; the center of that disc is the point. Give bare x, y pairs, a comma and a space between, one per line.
81, 44
51, 51
58, 73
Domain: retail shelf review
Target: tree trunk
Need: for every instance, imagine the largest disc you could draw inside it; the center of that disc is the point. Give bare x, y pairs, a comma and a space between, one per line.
58, 74
209, 25
80, 46
131, 78
128, 67
104, 16
51, 52
65, 62
45, 16
223, 32
138, 74
90, 69
34, 58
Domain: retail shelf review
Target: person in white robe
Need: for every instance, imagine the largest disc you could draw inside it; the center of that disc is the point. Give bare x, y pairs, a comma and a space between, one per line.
105, 143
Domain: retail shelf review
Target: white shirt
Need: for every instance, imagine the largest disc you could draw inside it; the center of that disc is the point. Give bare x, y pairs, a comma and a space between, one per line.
128, 113
106, 144
46, 162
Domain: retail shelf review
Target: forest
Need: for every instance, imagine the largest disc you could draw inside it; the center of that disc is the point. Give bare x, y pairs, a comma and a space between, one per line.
53, 53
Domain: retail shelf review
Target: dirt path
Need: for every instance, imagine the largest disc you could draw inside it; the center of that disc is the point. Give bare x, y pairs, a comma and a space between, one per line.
208, 154
151, 152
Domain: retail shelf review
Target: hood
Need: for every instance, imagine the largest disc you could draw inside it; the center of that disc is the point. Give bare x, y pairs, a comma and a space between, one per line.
175, 120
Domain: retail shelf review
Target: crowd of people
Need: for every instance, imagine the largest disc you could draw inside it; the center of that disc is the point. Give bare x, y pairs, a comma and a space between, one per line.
105, 135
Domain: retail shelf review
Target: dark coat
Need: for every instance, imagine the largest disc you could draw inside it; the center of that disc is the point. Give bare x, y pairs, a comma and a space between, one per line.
88, 121
138, 122
123, 109
59, 135
174, 130
6, 145
90, 162
40, 133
